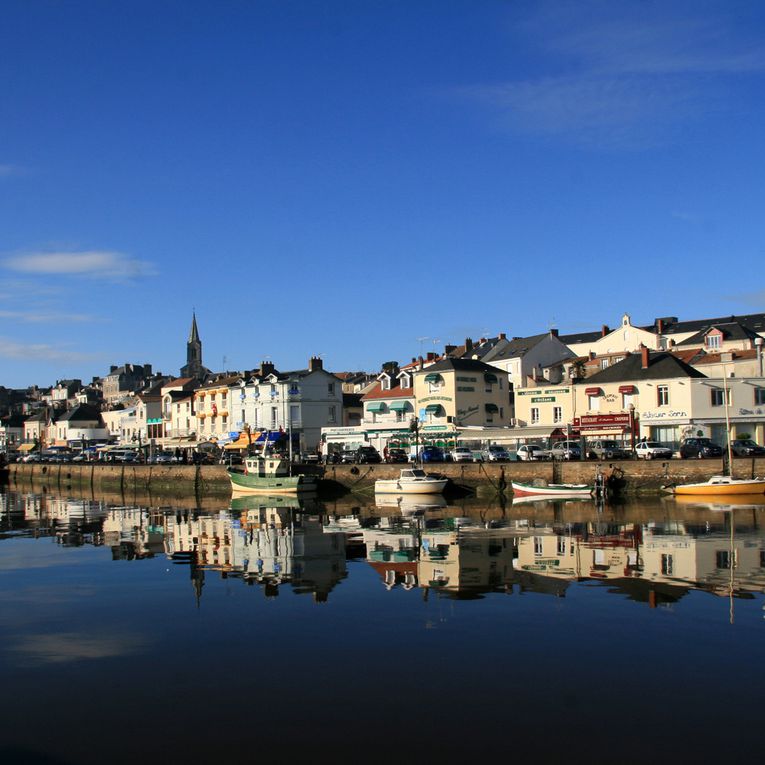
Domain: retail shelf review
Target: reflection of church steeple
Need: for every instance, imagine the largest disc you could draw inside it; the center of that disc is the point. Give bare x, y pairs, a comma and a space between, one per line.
193, 366
197, 579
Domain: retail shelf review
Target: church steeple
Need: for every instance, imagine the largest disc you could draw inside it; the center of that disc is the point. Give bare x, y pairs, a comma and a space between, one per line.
194, 366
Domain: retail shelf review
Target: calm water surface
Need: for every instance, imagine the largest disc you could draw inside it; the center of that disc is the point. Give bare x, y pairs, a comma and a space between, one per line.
379, 631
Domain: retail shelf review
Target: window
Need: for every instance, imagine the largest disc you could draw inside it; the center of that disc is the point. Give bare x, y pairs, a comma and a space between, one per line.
604, 363
384, 383
538, 550
294, 413
274, 416
662, 395
331, 413
717, 397
593, 403
331, 388
759, 396
627, 400
557, 414
722, 558
534, 415
561, 545
405, 381
714, 341
667, 565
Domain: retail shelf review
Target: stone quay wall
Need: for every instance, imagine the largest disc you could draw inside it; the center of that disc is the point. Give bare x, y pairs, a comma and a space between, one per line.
211, 480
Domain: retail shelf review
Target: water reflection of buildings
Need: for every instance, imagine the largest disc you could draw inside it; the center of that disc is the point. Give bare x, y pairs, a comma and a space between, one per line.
652, 562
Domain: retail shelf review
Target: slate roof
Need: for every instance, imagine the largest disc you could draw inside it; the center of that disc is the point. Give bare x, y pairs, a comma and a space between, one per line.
81, 413
520, 346
661, 366
458, 365
730, 331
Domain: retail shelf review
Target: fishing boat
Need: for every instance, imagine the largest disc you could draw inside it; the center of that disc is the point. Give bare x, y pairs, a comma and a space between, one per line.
411, 481
269, 475
719, 486
552, 489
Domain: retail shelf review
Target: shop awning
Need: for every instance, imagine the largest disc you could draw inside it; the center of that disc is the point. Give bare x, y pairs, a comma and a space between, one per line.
399, 406
376, 406
433, 377
27, 447
592, 391
433, 408
490, 377
626, 389
491, 408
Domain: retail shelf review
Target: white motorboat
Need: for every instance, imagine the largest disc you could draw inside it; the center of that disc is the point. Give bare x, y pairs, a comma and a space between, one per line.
411, 481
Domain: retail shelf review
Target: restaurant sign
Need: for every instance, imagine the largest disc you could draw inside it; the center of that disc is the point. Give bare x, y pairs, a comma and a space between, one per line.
542, 399
602, 422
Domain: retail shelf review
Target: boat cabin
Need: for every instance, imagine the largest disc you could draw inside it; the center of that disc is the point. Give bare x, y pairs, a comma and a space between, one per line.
266, 466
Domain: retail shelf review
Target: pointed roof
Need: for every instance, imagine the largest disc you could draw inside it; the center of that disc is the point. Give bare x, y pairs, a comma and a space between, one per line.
194, 334
661, 365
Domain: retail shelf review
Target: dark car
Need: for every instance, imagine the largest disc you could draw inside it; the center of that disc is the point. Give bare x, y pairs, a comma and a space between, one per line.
367, 455
745, 447
432, 454
397, 455
700, 448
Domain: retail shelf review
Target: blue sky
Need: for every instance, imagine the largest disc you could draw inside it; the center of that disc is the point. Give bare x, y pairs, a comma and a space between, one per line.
366, 180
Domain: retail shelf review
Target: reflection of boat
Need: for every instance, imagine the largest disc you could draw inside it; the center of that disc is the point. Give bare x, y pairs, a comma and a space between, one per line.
722, 502
410, 503
255, 501
552, 490
538, 499
412, 481
720, 485
269, 475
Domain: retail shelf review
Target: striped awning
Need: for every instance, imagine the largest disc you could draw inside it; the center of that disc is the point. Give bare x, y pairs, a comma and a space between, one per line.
399, 406
376, 406
434, 408
592, 391
433, 377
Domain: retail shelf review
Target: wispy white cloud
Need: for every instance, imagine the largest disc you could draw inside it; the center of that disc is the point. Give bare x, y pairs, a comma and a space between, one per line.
621, 75
11, 349
43, 317
754, 299
64, 647
97, 264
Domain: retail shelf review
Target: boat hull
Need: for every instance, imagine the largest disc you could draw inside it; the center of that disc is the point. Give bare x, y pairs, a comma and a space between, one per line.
552, 490
398, 486
241, 483
734, 489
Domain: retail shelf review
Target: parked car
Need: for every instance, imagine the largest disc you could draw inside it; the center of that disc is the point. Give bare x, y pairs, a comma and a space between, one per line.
700, 448
532, 453
606, 449
652, 450
161, 458
495, 453
745, 447
367, 455
347, 457
432, 454
462, 454
31, 457
396, 455
566, 450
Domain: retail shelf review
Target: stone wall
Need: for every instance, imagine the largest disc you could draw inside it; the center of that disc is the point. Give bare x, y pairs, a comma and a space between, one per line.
212, 481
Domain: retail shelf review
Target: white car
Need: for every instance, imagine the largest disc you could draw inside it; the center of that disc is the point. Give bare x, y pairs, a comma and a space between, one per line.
462, 454
652, 450
532, 452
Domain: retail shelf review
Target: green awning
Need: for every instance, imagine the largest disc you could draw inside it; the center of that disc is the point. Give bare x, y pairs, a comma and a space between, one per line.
434, 408
491, 408
376, 406
433, 377
399, 406
490, 377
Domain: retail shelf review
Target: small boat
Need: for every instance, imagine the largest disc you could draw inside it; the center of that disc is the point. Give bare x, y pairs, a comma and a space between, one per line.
408, 504
552, 489
719, 486
269, 475
719, 502
411, 481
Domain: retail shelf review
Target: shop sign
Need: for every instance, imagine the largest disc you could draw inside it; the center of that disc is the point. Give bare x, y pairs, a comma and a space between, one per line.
602, 421
671, 414
542, 399
436, 427
435, 398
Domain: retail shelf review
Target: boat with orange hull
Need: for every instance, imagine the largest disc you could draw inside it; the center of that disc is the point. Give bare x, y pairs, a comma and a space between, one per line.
719, 486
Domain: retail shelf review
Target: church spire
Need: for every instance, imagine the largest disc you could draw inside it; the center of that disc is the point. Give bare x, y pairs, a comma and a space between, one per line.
194, 366
194, 334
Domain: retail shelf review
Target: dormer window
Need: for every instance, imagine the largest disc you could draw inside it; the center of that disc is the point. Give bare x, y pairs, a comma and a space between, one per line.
385, 382
405, 381
713, 341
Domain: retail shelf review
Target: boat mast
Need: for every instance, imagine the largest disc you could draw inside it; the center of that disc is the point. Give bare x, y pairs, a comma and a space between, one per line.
727, 423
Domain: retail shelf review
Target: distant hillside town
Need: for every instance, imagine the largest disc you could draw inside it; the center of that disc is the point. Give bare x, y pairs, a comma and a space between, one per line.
664, 382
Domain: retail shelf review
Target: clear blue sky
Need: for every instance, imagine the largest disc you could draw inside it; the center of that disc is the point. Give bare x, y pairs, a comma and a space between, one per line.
363, 180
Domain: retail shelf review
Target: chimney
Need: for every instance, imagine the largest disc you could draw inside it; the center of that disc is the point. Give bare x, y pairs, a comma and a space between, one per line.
448, 349
644, 353
502, 336
431, 356
554, 332
414, 360
592, 355
659, 326
604, 330
266, 368
315, 363
482, 340
419, 362
112, 369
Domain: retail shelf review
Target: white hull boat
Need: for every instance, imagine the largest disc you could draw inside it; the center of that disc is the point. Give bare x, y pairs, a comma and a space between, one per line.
411, 481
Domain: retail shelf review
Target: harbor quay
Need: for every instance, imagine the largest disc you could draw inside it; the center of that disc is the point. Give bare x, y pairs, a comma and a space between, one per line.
637, 477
